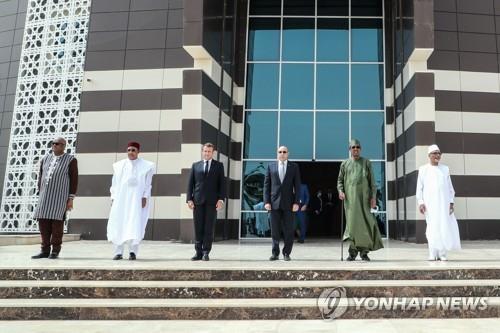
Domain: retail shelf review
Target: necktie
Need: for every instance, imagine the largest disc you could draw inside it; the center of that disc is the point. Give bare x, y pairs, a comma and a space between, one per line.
206, 168
282, 171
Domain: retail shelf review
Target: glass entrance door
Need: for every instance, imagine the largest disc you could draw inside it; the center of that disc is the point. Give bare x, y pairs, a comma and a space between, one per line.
315, 79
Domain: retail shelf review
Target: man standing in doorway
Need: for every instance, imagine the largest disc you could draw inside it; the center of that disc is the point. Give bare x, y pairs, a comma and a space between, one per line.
281, 198
356, 186
206, 193
57, 185
435, 196
130, 195
302, 212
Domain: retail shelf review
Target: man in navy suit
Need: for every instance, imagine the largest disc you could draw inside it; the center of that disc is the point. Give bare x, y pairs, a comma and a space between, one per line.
281, 198
205, 195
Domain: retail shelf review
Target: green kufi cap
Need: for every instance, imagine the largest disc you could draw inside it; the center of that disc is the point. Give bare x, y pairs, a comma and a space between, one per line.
354, 142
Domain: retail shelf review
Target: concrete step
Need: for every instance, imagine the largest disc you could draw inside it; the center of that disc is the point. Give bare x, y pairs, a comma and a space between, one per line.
229, 309
245, 289
283, 274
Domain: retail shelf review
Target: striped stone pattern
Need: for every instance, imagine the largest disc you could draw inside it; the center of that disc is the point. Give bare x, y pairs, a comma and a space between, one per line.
410, 118
456, 104
142, 83
467, 83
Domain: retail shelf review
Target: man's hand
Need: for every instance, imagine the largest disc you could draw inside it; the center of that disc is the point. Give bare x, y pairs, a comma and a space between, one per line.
373, 203
422, 209
191, 204
144, 202
69, 204
341, 195
295, 208
304, 208
452, 208
219, 204
267, 206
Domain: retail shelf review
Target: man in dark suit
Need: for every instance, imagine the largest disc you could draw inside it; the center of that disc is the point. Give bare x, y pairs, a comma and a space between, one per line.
281, 198
205, 195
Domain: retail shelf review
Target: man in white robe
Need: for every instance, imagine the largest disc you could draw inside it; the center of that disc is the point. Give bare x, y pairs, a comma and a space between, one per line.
435, 196
130, 195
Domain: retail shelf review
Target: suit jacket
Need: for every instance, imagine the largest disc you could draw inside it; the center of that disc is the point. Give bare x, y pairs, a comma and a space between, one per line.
282, 195
206, 189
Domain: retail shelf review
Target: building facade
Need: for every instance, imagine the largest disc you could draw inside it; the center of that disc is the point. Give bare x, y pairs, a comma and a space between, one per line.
248, 76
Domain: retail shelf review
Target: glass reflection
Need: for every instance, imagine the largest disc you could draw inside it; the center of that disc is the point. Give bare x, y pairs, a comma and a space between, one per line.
298, 7
366, 7
260, 134
297, 86
262, 86
382, 223
333, 7
332, 87
296, 132
265, 7
253, 185
332, 135
379, 173
366, 40
367, 84
333, 40
298, 39
264, 39
368, 127
255, 225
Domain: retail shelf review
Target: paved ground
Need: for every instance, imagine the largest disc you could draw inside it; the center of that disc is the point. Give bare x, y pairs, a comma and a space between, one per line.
235, 255
319, 254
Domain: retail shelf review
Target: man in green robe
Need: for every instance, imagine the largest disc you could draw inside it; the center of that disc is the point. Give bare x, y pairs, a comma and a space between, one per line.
356, 187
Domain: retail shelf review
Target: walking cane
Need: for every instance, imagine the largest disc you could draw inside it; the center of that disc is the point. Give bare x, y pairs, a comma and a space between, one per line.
341, 232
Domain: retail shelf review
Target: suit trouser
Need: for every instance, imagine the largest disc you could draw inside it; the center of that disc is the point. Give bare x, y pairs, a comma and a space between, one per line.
302, 218
51, 232
204, 221
282, 222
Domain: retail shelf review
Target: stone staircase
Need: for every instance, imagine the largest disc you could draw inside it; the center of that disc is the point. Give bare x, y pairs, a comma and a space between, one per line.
225, 294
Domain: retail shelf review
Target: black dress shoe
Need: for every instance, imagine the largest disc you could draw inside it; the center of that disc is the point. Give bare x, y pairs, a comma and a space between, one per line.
286, 257
274, 257
365, 257
118, 257
40, 255
54, 255
132, 256
196, 257
350, 258
205, 257
301, 241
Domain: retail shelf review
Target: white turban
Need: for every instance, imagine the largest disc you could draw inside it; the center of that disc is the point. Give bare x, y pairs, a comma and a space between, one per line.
432, 148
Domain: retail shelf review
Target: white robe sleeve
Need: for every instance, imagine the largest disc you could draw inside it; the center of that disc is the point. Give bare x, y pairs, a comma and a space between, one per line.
113, 188
420, 187
147, 184
451, 190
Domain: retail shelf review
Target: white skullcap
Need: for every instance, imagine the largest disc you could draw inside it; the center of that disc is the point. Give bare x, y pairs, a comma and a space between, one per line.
432, 148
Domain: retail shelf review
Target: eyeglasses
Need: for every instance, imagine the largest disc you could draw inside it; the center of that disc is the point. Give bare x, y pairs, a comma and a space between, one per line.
57, 143
355, 147
436, 153
132, 149
282, 152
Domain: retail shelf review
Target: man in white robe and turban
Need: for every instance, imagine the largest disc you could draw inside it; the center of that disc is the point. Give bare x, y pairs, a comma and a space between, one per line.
130, 195
435, 196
